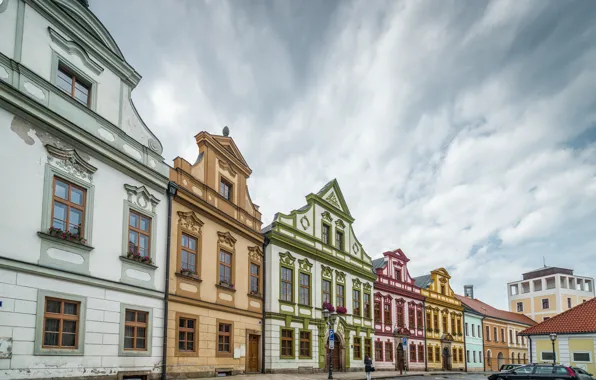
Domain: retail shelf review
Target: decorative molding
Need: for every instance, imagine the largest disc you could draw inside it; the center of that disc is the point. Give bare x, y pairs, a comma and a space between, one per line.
340, 277
355, 248
227, 167
287, 258
331, 198
305, 265
326, 272
443, 280
304, 222
74, 48
367, 287
70, 161
327, 216
140, 196
340, 224
255, 254
226, 238
356, 283
190, 221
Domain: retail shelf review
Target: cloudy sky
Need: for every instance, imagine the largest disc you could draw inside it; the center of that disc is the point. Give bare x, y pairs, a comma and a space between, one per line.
463, 132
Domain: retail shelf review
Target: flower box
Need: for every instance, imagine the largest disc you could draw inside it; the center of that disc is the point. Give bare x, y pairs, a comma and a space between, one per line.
328, 306
189, 273
256, 294
341, 310
137, 257
226, 284
66, 235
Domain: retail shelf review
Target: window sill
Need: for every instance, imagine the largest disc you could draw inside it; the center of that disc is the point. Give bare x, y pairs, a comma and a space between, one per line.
69, 243
289, 303
258, 296
189, 277
287, 357
138, 263
305, 306
223, 287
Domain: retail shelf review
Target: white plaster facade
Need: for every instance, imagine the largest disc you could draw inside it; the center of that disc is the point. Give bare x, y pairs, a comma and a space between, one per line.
105, 149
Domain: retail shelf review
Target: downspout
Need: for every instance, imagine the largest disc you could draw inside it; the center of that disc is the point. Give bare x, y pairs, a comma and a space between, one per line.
483, 348
466, 355
172, 189
425, 331
530, 344
265, 244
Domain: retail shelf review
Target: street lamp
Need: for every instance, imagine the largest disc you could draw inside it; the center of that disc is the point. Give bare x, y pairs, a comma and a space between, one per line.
330, 320
553, 337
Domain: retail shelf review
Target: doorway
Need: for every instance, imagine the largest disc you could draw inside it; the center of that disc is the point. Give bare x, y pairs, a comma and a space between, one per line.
500, 361
336, 364
400, 358
446, 358
253, 353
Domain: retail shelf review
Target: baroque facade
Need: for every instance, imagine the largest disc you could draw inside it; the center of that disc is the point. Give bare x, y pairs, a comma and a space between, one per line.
398, 315
444, 322
215, 301
82, 258
313, 256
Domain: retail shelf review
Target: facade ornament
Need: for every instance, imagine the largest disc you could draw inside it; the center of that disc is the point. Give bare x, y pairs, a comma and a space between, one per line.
331, 198
327, 216
74, 48
326, 272
226, 238
70, 161
355, 248
304, 222
255, 254
367, 287
305, 265
340, 223
142, 197
356, 283
340, 277
190, 221
287, 258
227, 167
442, 280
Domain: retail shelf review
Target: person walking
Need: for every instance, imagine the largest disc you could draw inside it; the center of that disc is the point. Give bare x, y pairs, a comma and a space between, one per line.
368, 366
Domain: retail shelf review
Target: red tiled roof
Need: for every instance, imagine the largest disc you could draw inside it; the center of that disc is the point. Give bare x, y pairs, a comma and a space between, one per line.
580, 319
490, 311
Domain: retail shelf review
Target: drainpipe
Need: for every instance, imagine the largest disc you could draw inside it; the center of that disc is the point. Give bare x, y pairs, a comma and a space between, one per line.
530, 344
265, 244
172, 189
466, 358
425, 331
483, 349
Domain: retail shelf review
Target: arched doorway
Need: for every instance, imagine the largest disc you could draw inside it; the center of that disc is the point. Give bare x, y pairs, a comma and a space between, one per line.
400, 362
500, 361
446, 358
489, 359
337, 355
525, 359
513, 358
519, 358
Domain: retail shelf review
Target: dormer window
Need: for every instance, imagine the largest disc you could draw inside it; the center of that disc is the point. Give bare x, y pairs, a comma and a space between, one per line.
398, 275
73, 85
443, 290
225, 189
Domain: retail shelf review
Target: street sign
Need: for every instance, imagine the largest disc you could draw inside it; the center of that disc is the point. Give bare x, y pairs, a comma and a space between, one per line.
404, 341
331, 339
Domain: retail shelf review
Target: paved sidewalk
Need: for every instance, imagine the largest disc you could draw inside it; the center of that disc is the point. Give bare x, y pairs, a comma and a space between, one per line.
350, 375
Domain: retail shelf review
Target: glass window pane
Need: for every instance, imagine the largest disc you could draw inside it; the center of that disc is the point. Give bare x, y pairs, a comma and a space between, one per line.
142, 317
184, 240
52, 306
59, 224
69, 326
144, 223
133, 220
141, 331
181, 346
133, 237
52, 325
64, 82
70, 308
50, 339
190, 346
76, 196
190, 323
140, 343
59, 211
130, 316
129, 331
128, 342
181, 336
193, 244
61, 190
144, 242
82, 88
191, 261
75, 221
81, 98
68, 340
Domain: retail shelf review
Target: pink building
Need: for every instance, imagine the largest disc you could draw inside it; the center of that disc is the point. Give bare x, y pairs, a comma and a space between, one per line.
398, 315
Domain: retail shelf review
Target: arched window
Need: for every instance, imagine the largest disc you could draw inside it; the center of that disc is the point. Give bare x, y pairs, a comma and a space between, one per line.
513, 358
488, 358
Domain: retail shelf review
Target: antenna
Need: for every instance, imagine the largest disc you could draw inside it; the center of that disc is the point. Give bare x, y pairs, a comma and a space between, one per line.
544, 261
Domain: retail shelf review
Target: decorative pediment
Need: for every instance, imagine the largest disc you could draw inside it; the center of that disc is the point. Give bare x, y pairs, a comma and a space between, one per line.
356, 283
331, 198
447, 337
387, 298
70, 161
255, 254
140, 196
227, 167
378, 296
74, 48
326, 272
340, 277
367, 287
190, 221
304, 222
400, 301
327, 216
401, 332
340, 224
226, 238
287, 258
305, 265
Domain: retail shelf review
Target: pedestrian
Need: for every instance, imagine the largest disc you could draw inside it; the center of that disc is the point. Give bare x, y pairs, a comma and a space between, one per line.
368, 366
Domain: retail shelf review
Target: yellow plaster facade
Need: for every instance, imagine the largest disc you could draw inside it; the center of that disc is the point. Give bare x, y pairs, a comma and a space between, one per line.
444, 323
216, 258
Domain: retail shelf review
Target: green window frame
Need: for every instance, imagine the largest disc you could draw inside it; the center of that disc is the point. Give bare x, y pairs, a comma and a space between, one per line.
286, 284
326, 233
356, 304
286, 343
304, 289
357, 347
326, 290
305, 344
339, 239
366, 305
340, 297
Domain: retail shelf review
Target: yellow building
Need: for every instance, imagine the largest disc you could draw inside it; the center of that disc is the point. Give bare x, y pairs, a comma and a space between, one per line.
215, 279
444, 322
574, 335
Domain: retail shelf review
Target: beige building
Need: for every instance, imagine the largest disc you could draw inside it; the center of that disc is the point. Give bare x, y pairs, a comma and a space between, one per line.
548, 291
216, 276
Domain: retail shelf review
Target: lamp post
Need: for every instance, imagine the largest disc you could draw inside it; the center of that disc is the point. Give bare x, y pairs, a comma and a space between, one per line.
553, 337
330, 321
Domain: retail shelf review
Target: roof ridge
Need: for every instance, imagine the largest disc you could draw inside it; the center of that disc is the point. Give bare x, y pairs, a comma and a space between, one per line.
551, 321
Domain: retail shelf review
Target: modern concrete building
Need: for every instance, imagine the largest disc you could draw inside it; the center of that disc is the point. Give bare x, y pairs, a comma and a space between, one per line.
546, 292
84, 207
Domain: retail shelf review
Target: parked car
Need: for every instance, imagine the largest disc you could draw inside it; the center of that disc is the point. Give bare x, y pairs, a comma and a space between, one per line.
509, 367
537, 372
582, 374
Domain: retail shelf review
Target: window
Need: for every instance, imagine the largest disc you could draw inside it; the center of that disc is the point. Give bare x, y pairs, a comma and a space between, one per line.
569, 303
388, 351
325, 234
473, 331
339, 240
72, 85
525, 369
326, 291
480, 356
545, 303
339, 299
400, 314
436, 321
420, 353
61, 324
480, 332
287, 287
387, 313
516, 338
468, 356
496, 334
430, 354
547, 356
224, 339
443, 289
225, 189
545, 318
379, 351
68, 207
366, 305
377, 311
398, 274
139, 235
437, 354
582, 357
510, 336
304, 291
186, 334
444, 323
454, 350
413, 352
467, 329
287, 343
255, 278
368, 347
428, 321
411, 317
513, 358
305, 344
543, 369
459, 326
473, 356
419, 318
503, 335
135, 330
225, 268
356, 301
520, 307
487, 335
453, 325
357, 348
188, 254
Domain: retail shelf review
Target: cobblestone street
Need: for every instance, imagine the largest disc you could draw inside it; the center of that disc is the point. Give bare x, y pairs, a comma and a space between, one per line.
375, 375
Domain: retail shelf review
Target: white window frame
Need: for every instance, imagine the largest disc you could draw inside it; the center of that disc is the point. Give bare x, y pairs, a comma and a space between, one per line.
518, 308
542, 303
546, 352
591, 360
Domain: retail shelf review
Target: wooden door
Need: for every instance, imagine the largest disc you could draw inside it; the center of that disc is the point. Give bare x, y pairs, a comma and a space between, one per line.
253, 353
400, 357
335, 357
446, 359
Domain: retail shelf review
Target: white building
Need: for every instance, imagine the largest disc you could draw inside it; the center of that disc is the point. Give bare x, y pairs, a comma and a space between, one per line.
313, 256
77, 158
548, 291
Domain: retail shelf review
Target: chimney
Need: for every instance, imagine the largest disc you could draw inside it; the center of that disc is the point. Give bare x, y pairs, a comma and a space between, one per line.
469, 291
